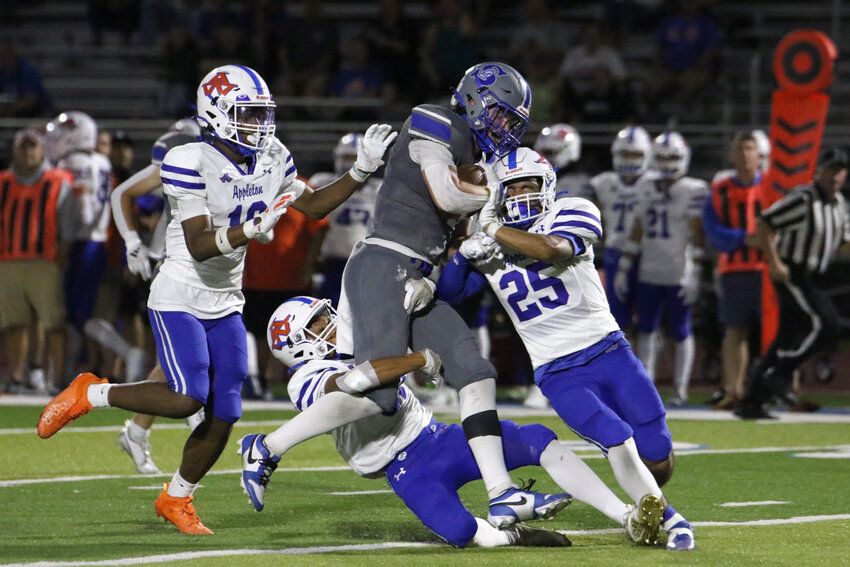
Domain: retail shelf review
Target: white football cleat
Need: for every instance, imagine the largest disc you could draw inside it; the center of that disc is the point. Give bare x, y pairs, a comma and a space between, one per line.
139, 452
643, 520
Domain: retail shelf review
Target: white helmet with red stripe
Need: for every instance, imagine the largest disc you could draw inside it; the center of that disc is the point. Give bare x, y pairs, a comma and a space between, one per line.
71, 131
288, 332
235, 106
560, 144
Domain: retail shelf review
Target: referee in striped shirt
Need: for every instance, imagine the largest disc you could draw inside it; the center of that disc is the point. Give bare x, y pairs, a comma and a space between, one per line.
811, 225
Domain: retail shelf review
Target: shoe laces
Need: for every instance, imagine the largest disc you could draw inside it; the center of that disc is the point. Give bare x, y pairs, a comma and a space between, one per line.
526, 486
267, 467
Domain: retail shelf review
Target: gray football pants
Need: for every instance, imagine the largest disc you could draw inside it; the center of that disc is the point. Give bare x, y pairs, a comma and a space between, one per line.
372, 306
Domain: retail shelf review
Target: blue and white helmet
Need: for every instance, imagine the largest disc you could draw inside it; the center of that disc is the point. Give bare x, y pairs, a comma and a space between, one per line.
71, 131
235, 104
763, 144
524, 163
345, 152
630, 151
671, 155
560, 144
495, 100
288, 332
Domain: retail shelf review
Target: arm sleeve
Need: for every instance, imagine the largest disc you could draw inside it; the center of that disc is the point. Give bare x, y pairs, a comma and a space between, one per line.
458, 280
718, 235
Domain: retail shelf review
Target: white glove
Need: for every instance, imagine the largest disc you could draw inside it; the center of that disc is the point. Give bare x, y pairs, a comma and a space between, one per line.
432, 367
373, 145
479, 246
138, 256
265, 221
690, 284
418, 293
265, 237
488, 219
621, 278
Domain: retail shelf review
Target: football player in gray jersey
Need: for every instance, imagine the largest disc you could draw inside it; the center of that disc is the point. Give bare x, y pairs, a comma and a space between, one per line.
386, 296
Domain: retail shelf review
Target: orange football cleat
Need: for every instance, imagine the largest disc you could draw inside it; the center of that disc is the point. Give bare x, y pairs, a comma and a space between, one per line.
68, 405
180, 512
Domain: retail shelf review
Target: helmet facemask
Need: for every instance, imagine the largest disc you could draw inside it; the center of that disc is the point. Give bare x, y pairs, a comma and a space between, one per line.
250, 125
290, 336
504, 127
520, 210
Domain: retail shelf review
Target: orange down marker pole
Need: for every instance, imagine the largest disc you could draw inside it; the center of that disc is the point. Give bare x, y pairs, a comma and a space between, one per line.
802, 65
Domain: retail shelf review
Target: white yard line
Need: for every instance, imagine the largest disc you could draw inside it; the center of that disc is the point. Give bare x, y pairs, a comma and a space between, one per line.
189, 555
744, 504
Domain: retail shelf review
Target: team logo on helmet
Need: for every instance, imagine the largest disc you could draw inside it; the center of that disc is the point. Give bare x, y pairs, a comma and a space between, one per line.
280, 329
488, 74
218, 83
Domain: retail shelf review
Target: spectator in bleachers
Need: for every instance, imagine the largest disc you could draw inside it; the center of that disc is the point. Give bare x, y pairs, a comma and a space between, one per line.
449, 46
581, 64
103, 145
357, 78
177, 70
37, 216
392, 41
306, 52
607, 101
687, 50
537, 31
120, 16
545, 83
22, 93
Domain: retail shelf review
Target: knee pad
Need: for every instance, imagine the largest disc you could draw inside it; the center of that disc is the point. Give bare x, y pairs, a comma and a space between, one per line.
654, 441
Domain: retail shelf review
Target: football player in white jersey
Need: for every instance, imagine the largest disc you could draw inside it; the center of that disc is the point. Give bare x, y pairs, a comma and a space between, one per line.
425, 462
536, 253
135, 435
349, 223
669, 239
70, 144
222, 192
561, 145
615, 193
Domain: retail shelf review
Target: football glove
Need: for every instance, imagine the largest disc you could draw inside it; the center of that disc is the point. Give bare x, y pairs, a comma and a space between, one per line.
479, 246
418, 294
690, 284
265, 221
488, 218
138, 256
372, 146
432, 367
621, 278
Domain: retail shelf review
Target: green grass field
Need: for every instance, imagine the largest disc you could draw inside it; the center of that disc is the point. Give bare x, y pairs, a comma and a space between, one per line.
75, 500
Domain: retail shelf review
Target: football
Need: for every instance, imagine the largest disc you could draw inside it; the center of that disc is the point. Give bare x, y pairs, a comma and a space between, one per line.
472, 174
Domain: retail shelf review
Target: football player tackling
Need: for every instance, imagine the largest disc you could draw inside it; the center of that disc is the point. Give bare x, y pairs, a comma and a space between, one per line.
425, 462
224, 191
545, 279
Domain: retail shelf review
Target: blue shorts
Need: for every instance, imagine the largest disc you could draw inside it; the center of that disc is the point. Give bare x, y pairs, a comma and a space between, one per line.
740, 301
609, 399
429, 472
86, 265
198, 353
653, 301
621, 310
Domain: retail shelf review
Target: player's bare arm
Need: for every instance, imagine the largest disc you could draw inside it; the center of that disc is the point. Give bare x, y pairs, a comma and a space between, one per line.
123, 196
370, 152
543, 247
384, 371
200, 237
451, 192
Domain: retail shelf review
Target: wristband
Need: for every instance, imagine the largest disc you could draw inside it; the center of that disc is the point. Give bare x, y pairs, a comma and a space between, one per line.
625, 264
490, 229
359, 175
222, 242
